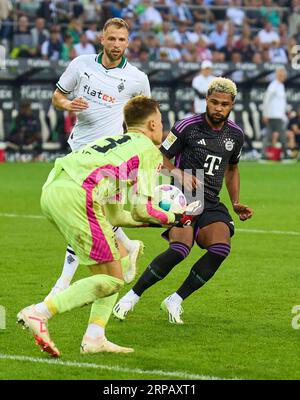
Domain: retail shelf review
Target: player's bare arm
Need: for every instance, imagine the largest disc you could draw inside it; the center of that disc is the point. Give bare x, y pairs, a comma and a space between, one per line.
232, 179
60, 100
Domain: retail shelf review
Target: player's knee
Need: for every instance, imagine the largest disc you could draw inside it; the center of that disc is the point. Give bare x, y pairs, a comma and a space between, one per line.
106, 285
184, 236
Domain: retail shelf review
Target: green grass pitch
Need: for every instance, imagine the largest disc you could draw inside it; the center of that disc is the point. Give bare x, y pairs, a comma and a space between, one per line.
239, 325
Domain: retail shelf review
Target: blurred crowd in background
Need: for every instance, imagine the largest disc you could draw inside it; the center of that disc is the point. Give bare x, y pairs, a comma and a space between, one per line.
203, 31
169, 30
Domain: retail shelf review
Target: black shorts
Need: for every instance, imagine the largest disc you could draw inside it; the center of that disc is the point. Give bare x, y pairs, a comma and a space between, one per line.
212, 213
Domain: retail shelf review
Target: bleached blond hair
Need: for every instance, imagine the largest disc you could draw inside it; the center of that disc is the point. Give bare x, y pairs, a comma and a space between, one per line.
222, 85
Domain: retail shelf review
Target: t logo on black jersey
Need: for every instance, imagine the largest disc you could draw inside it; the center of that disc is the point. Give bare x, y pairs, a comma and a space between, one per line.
212, 163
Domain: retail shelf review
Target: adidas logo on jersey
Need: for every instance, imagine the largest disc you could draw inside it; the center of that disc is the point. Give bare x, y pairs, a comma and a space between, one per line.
202, 141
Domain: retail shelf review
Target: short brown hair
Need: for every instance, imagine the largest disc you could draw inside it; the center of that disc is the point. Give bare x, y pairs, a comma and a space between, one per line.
138, 109
118, 22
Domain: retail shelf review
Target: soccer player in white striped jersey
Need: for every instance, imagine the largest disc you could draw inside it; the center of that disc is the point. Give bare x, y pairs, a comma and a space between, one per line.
97, 87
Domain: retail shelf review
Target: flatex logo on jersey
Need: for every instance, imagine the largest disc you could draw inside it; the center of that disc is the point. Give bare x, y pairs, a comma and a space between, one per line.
98, 94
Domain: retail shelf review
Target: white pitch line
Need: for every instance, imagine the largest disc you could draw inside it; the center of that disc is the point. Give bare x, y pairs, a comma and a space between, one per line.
291, 233
169, 374
21, 216
262, 231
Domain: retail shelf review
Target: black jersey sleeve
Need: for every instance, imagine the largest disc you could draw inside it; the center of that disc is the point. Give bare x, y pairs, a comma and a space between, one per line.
235, 157
173, 144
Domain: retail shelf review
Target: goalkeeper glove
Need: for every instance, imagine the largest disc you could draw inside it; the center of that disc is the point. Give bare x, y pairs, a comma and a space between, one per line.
182, 220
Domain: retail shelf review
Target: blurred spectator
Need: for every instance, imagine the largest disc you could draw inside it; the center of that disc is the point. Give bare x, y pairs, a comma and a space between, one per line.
151, 14
165, 32
203, 14
180, 12
202, 50
26, 130
144, 30
217, 57
76, 7
246, 49
22, 45
52, 48
200, 85
75, 30
84, 47
220, 12
267, 35
48, 11
294, 17
235, 13
144, 54
152, 44
293, 133
253, 14
229, 48
265, 56
5, 8
169, 52
218, 36
127, 9
92, 11
256, 58
134, 49
180, 35
236, 60
274, 112
277, 53
270, 13
296, 35
67, 52
115, 9
6, 23
39, 34
197, 34
92, 34
283, 34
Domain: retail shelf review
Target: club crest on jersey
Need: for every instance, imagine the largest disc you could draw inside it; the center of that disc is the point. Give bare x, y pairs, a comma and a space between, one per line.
229, 144
121, 87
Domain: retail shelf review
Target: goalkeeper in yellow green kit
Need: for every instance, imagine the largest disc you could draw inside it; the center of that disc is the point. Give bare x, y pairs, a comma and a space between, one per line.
81, 197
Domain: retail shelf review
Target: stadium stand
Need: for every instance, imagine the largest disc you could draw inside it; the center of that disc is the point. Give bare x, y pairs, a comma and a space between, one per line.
245, 40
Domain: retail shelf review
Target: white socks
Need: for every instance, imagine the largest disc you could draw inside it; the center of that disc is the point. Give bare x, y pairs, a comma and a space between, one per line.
175, 298
124, 239
131, 296
43, 309
69, 269
94, 331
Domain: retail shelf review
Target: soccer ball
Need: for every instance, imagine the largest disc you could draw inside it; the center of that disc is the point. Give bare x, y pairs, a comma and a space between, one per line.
170, 198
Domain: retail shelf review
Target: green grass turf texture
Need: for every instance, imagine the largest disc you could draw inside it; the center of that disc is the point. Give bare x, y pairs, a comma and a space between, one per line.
236, 326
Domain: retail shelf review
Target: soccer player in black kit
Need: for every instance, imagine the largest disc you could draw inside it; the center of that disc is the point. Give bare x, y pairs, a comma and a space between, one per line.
213, 143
